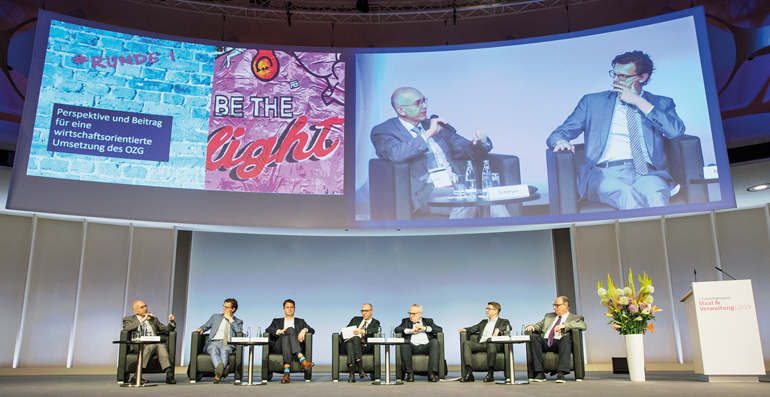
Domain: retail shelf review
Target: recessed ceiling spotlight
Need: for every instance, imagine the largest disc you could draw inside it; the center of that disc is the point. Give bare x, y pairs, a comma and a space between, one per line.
759, 188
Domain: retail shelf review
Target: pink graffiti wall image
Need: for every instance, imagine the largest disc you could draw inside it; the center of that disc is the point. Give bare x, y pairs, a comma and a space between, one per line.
277, 122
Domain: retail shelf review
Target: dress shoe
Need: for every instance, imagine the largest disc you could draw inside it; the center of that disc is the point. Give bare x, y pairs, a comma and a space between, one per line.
133, 381
286, 378
468, 377
560, 378
352, 377
170, 381
540, 377
218, 373
409, 377
432, 377
226, 371
306, 364
361, 372
489, 378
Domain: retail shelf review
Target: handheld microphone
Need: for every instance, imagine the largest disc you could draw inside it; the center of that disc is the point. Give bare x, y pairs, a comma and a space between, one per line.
724, 272
426, 124
695, 272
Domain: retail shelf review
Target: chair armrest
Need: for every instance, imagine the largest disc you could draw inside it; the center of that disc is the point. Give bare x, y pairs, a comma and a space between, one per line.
336, 356
171, 345
122, 352
441, 355
309, 355
507, 166
562, 182
197, 341
463, 338
389, 190
266, 358
684, 158
577, 352
238, 372
399, 365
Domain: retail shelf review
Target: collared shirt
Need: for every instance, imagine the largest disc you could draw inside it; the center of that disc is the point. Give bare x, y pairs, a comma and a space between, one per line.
146, 326
220, 334
488, 330
420, 338
618, 146
557, 334
363, 324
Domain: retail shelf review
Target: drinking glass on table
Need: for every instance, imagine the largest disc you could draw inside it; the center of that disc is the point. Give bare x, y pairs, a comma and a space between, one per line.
458, 183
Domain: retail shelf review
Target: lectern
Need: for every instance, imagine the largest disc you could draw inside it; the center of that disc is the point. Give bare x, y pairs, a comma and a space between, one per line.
724, 333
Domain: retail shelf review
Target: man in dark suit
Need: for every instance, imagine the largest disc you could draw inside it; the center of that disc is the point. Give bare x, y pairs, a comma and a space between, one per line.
150, 325
491, 326
552, 334
356, 346
286, 336
421, 336
625, 129
223, 327
432, 150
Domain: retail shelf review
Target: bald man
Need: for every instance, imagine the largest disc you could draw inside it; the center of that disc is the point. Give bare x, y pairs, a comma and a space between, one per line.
145, 321
432, 151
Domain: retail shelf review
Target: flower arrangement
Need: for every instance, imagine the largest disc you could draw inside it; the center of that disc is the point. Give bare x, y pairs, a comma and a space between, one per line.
631, 313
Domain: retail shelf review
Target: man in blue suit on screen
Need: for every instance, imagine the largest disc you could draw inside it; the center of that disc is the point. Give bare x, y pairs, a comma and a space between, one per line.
433, 148
625, 129
223, 327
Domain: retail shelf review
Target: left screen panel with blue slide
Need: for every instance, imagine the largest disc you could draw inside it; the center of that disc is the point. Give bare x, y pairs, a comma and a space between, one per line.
128, 124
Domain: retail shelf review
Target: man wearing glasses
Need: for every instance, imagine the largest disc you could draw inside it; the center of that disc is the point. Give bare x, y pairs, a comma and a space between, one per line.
421, 336
223, 327
625, 129
356, 346
552, 334
431, 147
148, 324
489, 327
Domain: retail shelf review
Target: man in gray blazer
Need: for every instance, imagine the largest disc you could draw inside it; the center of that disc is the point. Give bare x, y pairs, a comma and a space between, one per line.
150, 325
223, 327
491, 326
431, 148
624, 131
551, 334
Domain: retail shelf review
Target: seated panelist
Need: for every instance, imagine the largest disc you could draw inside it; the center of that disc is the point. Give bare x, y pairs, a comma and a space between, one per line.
493, 325
551, 334
356, 346
223, 327
420, 333
286, 335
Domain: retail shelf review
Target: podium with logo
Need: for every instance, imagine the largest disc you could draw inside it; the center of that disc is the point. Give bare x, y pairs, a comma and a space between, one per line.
724, 333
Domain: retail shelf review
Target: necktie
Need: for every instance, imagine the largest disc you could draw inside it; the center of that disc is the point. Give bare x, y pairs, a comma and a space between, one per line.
227, 332
553, 331
636, 145
438, 159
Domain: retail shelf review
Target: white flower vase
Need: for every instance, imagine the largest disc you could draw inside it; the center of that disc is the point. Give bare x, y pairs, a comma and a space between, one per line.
635, 356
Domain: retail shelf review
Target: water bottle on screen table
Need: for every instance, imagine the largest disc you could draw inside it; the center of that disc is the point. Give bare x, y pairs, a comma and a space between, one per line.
259, 332
470, 179
486, 178
392, 332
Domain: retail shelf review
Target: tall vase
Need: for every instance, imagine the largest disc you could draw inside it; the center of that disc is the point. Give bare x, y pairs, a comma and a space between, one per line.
635, 356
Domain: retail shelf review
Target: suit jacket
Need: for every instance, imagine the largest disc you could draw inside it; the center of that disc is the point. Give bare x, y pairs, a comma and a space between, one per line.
299, 325
131, 323
371, 328
573, 321
393, 142
500, 325
593, 116
214, 323
428, 322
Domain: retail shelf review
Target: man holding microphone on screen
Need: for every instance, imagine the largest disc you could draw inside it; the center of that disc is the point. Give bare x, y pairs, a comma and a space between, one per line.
625, 129
432, 146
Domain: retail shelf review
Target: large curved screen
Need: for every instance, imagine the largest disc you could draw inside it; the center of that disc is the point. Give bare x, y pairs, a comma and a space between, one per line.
127, 124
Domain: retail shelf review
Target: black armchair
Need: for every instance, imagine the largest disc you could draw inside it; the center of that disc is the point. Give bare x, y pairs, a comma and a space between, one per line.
370, 361
551, 360
127, 359
390, 187
420, 361
685, 163
200, 361
479, 359
273, 362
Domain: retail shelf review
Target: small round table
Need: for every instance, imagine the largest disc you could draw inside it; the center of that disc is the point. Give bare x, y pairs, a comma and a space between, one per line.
509, 341
481, 201
251, 343
138, 361
387, 342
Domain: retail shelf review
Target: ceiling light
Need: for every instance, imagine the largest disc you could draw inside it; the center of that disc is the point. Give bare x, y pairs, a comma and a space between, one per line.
759, 188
